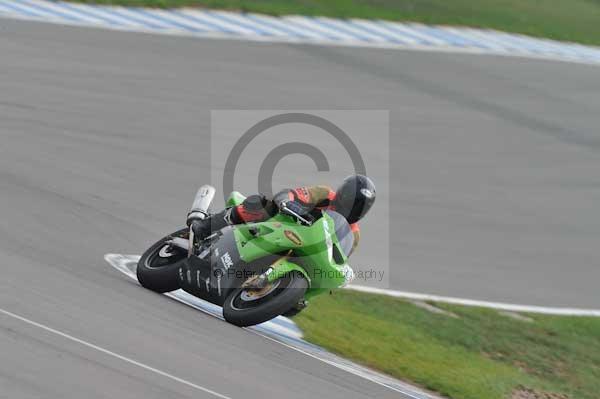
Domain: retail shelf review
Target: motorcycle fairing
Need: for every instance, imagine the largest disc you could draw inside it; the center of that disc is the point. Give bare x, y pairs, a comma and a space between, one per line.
219, 268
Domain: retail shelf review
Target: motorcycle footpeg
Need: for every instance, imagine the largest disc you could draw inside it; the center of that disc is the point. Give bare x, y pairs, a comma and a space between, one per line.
301, 305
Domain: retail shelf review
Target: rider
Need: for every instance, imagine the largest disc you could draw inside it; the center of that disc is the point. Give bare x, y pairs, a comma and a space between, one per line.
352, 199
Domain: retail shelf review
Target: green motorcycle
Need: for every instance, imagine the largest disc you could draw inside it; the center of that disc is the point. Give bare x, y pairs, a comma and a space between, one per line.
254, 271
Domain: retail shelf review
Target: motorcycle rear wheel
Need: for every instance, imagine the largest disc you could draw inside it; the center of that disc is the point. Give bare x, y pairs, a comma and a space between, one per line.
289, 291
158, 269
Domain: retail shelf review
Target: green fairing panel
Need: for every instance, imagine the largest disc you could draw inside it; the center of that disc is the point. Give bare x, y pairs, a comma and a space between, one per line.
235, 198
312, 249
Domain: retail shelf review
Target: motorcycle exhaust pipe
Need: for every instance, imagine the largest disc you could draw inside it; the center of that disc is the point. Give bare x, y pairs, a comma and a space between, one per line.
202, 202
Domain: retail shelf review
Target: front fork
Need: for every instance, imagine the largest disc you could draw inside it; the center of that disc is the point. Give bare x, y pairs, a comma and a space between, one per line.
199, 211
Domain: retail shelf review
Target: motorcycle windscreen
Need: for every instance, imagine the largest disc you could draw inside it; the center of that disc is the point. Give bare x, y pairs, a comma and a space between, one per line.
342, 231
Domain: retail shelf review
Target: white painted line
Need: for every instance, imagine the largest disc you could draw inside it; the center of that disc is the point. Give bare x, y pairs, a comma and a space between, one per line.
403, 29
245, 22
113, 354
25, 10
313, 25
177, 20
63, 12
470, 39
582, 51
381, 31
216, 22
494, 39
141, 17
106, 14
559, 311
349, 29
518, 41
197, 18
289, 29
563, 48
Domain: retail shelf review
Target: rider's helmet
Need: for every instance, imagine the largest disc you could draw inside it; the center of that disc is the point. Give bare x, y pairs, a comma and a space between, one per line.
355, 197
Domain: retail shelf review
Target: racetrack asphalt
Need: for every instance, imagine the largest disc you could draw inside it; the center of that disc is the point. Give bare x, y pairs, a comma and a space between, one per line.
495, 187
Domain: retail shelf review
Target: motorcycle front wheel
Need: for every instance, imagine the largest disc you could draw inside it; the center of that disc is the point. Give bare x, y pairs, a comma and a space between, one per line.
158, 268
244, 307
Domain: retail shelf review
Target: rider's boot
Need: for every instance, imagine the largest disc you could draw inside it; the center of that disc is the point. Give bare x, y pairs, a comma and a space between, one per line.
205, 227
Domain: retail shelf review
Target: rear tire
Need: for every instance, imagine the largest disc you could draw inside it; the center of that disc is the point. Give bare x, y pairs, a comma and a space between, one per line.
158, 273
290, 291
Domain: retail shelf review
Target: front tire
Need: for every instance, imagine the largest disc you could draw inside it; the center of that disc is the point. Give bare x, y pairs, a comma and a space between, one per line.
158, 268
289, 291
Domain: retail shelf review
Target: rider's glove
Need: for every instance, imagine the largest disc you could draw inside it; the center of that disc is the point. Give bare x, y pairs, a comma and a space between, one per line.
281, 198
294, 207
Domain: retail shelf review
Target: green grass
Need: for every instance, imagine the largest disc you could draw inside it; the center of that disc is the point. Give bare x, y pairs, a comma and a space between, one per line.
572, 20
479, 355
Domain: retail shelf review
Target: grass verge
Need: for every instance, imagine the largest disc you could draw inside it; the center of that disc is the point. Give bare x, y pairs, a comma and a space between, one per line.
573, 20
480, 354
